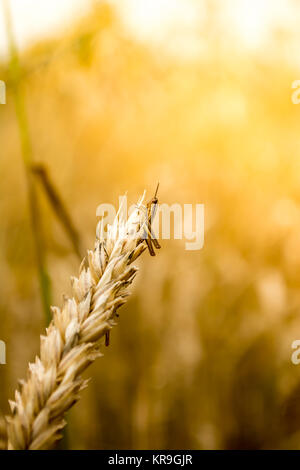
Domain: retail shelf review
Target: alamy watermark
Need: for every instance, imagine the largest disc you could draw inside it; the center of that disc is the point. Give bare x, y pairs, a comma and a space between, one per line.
177, 221
296, 94
295, 357
2, 352
2, 92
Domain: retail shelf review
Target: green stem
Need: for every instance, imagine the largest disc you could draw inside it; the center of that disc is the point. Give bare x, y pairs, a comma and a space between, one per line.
26, 149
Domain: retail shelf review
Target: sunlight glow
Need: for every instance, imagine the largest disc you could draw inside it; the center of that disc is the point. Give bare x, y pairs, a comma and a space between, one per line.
182, 27
254, 20
36, 19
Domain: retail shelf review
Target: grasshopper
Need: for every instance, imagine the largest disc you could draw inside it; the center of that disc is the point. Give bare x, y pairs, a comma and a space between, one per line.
151, 211
150, 238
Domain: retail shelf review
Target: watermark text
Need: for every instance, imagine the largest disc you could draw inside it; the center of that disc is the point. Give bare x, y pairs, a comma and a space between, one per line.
176, 221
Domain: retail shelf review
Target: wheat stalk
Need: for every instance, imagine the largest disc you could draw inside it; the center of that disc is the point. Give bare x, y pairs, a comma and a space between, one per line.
3, 434
71, 342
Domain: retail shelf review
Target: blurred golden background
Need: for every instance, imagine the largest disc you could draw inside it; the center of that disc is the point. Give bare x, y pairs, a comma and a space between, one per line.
122, 98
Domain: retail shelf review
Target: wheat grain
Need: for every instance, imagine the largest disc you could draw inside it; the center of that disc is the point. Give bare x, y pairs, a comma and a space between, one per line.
71, 341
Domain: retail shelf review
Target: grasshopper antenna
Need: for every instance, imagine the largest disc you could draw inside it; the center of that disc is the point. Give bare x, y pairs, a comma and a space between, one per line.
156, 191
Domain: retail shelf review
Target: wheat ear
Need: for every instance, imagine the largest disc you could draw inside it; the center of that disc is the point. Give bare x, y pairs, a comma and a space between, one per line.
71, 342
